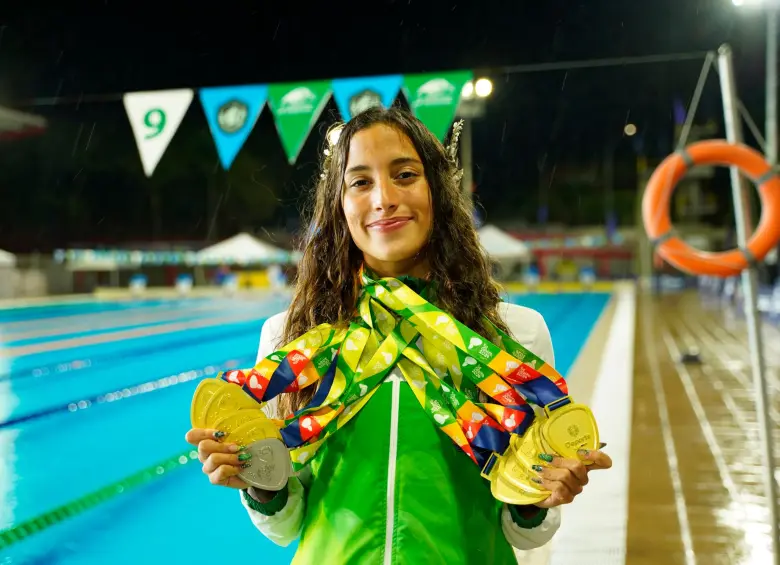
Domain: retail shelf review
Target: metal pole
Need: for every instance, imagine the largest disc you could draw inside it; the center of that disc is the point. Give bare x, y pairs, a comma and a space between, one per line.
749, 286
467, 161
771, 82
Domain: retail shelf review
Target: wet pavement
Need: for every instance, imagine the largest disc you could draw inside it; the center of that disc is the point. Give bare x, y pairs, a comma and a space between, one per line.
696, 493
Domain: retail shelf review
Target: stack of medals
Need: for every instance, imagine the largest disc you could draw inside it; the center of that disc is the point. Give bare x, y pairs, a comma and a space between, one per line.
224, 406
399, 328
562, 432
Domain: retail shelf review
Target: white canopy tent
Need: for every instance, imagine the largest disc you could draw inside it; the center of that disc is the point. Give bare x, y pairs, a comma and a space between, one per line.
7, 259
505, 251
17, 124
8, 275
241, 249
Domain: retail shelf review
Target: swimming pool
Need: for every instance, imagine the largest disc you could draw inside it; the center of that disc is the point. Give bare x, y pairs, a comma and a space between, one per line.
95, 392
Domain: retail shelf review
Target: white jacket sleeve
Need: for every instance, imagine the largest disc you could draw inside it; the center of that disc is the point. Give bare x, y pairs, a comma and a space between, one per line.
283, 527
529, 328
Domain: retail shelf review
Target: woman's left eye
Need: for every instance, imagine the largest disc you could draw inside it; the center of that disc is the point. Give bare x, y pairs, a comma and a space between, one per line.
407, 175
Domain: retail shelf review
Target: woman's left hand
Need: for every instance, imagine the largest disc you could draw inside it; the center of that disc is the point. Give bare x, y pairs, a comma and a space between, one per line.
565, 478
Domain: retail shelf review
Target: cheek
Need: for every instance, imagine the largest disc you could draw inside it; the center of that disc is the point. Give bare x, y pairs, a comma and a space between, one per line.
424, 211
352, 214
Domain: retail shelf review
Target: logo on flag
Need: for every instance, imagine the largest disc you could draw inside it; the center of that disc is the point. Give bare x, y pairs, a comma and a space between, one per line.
232, 112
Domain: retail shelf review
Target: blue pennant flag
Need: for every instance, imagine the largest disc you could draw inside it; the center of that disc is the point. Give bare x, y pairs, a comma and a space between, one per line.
231, 112
353, 95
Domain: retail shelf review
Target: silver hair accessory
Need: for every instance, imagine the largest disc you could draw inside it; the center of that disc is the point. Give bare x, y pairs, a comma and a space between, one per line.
332, 138
452, 149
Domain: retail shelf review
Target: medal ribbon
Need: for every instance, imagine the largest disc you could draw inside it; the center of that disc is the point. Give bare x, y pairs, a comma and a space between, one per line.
444, 362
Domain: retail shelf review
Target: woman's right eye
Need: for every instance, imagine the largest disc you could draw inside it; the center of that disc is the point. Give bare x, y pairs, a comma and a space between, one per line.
359, 183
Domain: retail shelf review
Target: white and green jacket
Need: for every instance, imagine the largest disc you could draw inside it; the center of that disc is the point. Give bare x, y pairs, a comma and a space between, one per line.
390, 489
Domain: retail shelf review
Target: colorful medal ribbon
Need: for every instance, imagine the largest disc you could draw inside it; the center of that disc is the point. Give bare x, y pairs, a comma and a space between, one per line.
445, 363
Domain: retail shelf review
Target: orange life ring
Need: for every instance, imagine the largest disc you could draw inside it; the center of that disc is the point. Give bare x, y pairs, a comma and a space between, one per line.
657, 197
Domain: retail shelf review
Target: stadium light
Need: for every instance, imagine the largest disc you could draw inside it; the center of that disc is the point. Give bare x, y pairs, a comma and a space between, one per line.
483, 87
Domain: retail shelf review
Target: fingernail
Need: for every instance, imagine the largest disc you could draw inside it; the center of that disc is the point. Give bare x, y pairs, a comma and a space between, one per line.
602, 445
537, 468
245, 456
583, 453
546, 457
219, 435
537, 480
234, 448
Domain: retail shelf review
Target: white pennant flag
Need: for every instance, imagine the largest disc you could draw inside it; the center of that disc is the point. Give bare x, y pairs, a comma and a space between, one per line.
155, 116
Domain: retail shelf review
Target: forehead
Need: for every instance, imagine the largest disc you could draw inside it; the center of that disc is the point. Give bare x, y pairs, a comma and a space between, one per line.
379, 143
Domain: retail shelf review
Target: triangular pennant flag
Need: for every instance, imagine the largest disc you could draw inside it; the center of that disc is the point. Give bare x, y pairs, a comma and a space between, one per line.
154, 117
353, 95
296, 107
231, 112
434, 98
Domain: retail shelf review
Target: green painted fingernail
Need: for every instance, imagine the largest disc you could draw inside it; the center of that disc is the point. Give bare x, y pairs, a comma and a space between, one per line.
537, 480
583, 452
537, 468
546, 457
219, 435
245, 456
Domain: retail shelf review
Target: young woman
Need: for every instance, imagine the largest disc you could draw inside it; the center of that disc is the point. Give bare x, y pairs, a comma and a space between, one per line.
390, 487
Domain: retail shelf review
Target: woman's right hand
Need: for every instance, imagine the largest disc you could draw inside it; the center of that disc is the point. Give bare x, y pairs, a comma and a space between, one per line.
221, 461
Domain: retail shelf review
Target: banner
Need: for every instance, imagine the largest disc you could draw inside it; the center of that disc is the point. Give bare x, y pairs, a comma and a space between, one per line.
154, 118
231, 112
353, 95
434, 98
296, 107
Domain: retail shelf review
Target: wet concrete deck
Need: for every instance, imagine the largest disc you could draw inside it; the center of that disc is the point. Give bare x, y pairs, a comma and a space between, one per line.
696, 493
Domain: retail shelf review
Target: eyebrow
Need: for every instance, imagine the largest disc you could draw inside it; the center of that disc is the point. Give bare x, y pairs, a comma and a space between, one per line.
394, 162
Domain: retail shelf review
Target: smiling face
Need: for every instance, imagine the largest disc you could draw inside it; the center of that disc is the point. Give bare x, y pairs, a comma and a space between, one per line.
387, 201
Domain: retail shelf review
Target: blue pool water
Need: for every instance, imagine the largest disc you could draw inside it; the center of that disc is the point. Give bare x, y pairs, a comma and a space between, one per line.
55, 356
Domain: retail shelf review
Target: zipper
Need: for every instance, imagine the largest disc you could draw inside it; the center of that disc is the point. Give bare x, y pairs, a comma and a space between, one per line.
391, 468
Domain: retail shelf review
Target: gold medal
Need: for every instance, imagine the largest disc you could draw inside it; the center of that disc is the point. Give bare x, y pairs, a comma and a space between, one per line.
255, 430
570, 428
528, 448
203, 394
231, 423
507, 491
228, 399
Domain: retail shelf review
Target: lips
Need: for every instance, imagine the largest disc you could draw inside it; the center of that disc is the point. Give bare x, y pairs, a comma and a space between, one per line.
388, 223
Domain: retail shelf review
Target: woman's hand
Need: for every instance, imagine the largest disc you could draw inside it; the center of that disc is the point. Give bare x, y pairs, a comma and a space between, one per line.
565, 478
221, 461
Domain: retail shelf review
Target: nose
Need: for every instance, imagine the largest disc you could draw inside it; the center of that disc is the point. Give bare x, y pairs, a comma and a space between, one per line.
385, 194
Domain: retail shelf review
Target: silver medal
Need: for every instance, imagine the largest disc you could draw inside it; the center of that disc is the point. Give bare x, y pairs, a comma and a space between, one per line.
270, 465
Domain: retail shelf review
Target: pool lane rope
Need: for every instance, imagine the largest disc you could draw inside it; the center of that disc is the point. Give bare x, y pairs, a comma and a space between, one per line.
36, 525
126, 392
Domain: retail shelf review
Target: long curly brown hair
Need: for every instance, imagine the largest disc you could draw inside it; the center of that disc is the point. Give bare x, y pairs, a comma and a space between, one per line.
328, 287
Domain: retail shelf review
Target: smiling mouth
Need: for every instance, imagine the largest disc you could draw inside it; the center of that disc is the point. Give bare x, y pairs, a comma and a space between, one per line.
388, 223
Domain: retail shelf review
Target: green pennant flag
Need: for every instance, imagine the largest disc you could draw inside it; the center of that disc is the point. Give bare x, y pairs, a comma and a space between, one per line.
296, 107
434, 97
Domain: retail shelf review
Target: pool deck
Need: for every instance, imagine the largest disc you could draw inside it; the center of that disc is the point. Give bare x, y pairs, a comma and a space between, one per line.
696, 488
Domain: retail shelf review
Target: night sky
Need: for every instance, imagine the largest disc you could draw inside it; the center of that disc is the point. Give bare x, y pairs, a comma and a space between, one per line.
81, 181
